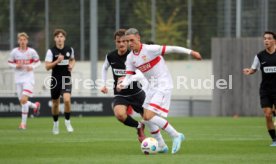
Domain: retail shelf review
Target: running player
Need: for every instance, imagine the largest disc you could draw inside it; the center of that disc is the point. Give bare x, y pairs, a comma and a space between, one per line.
148, 59
24, 60
133, 96
61, 60
129, 98
266, 62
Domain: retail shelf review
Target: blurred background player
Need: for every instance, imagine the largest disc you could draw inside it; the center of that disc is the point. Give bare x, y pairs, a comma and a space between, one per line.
24, 60
266, 62
130, 98
148, 59
61, 60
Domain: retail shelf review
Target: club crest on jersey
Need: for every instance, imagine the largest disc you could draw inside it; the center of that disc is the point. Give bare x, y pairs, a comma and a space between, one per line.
67, 54
144, 57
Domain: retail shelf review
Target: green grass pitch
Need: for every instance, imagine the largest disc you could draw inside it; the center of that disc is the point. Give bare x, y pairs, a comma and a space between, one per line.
105, 140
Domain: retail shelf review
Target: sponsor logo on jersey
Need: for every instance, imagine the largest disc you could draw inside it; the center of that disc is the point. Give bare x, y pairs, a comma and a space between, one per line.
24, 61
269, 69
64, 62
67, 54
119, 72
147, 66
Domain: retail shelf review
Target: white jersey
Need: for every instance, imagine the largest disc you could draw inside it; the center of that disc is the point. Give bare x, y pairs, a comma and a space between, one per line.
151, 63
28, 57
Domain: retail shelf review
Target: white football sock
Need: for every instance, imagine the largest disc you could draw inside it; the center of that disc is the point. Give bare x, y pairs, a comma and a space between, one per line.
56, 123
24, 114
31, 105
155, 133
164, 124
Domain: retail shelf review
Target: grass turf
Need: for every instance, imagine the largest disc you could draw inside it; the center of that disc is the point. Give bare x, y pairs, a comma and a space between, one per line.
105, 140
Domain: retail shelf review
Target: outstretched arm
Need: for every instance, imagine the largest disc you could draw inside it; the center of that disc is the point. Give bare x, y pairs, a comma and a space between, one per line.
182, 50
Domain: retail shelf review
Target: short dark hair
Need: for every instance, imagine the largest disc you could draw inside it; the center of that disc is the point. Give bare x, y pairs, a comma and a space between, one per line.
271, 33
59, 30
120, 33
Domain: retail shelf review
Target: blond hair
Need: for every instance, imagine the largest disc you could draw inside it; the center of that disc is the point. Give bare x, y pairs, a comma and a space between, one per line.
22, 34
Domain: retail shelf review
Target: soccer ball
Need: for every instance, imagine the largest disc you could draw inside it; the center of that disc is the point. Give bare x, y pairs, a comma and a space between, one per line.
149, 146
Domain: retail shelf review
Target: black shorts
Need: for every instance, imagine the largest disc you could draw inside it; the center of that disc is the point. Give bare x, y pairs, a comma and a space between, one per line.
136, 101
59, 87
268, 99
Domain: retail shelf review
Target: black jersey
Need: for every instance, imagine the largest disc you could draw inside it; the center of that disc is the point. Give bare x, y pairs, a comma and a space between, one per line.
117, 63
268, 67
61, 69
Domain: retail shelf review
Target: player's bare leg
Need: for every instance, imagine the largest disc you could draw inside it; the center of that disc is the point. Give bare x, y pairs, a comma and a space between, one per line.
24, 111
67, 111
155, 133
164, 124
55, 114
120, 112
274, 114
269, 125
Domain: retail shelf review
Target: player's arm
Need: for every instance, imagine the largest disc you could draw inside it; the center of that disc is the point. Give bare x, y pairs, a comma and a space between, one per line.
105, 67
36, 61
138, 76
182, 50
49, 63
249, 71
12, 63
71, 64
11, 60
72, 61
36, 64
254, 67
125, 83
